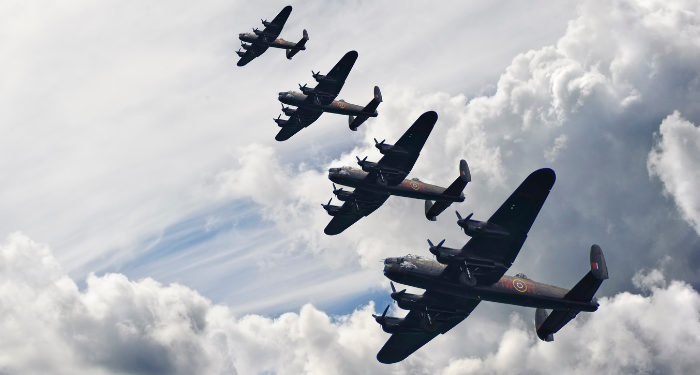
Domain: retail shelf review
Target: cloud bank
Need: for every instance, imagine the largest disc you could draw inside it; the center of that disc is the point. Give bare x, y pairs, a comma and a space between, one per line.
116, 325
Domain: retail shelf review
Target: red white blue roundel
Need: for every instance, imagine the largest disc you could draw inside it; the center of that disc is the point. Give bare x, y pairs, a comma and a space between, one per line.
519, 285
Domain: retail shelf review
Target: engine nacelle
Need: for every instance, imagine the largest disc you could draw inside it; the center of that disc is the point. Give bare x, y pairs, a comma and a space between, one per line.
240, 54
319, 77
288, 111
246, 46
332, 210
257, 32
306, 90
265, 23
343, 195
387, 149
280, 122
474, 228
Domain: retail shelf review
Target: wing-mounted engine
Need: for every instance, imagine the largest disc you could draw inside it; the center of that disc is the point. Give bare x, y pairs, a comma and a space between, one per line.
320, 77
282, 123
391, 324
383, 174
408, 301
471, 265
265, 23
306, 90
257, 32
342, 194
288, 111
387, 149
332, 210
475, 228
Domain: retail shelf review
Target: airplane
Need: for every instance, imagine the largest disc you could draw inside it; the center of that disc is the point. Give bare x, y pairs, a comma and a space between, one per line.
375, 182
312, 102
459, 279
260, 41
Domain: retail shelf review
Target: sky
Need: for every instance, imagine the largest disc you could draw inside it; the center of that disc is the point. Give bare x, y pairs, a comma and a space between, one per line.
151, 224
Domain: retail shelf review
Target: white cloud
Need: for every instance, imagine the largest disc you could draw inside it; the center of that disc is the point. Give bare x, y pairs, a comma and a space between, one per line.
675, 160
116, 325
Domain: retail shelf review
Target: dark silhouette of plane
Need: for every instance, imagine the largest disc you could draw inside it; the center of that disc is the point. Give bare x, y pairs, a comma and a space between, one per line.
459, 279
260, 41
375, 182
311, 103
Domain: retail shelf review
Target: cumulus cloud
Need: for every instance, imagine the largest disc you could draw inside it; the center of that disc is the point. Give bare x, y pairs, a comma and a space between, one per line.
675, 160
116, 325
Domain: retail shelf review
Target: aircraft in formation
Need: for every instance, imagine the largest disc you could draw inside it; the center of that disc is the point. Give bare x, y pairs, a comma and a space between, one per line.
459, 279
311, 103
375, 182
260, 41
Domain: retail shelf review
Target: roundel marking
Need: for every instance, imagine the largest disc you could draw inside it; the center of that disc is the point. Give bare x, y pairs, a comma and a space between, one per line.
519, 285
414, 185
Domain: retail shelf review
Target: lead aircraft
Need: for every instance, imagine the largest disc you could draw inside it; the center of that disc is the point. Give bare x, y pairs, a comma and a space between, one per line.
375, 182
312, 102
460, 279
260, 41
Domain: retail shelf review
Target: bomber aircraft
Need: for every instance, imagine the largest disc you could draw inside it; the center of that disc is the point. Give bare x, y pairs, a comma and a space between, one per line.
312, 102
260, 41
375, 182
461, 278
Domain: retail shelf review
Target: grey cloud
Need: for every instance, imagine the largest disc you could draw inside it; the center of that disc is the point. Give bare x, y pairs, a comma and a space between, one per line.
117, 325
675, 160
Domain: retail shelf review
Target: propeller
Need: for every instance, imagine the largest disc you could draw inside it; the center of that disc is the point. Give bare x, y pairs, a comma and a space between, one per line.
301, 87
438, 246
335, 190
327, 205
378, 318
460, 216
360, 162
378, 143
396, 295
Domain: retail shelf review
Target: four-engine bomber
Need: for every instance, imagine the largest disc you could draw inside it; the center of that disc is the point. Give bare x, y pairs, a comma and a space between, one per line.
260, 40
375, 182
459, 279
311, 103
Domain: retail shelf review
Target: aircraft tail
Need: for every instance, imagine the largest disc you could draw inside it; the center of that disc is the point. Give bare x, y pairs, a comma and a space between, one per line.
355, 122
299, 46
584, 291
432, 210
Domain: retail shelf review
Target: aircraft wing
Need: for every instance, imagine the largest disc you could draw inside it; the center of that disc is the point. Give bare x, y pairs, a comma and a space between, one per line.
362, 203
403, 344
275, 28
516, 215
412, 141
328, 89
251, 53
301, 118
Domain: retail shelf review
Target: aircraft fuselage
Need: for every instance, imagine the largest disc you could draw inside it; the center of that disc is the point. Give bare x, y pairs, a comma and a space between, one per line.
357, 178
298, 99
277, 43
428, 274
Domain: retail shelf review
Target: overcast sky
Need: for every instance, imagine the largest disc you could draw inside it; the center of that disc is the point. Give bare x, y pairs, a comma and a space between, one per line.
152, 224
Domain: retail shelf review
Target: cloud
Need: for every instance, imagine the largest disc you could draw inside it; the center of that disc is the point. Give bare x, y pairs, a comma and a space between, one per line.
675, 160
116, 325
